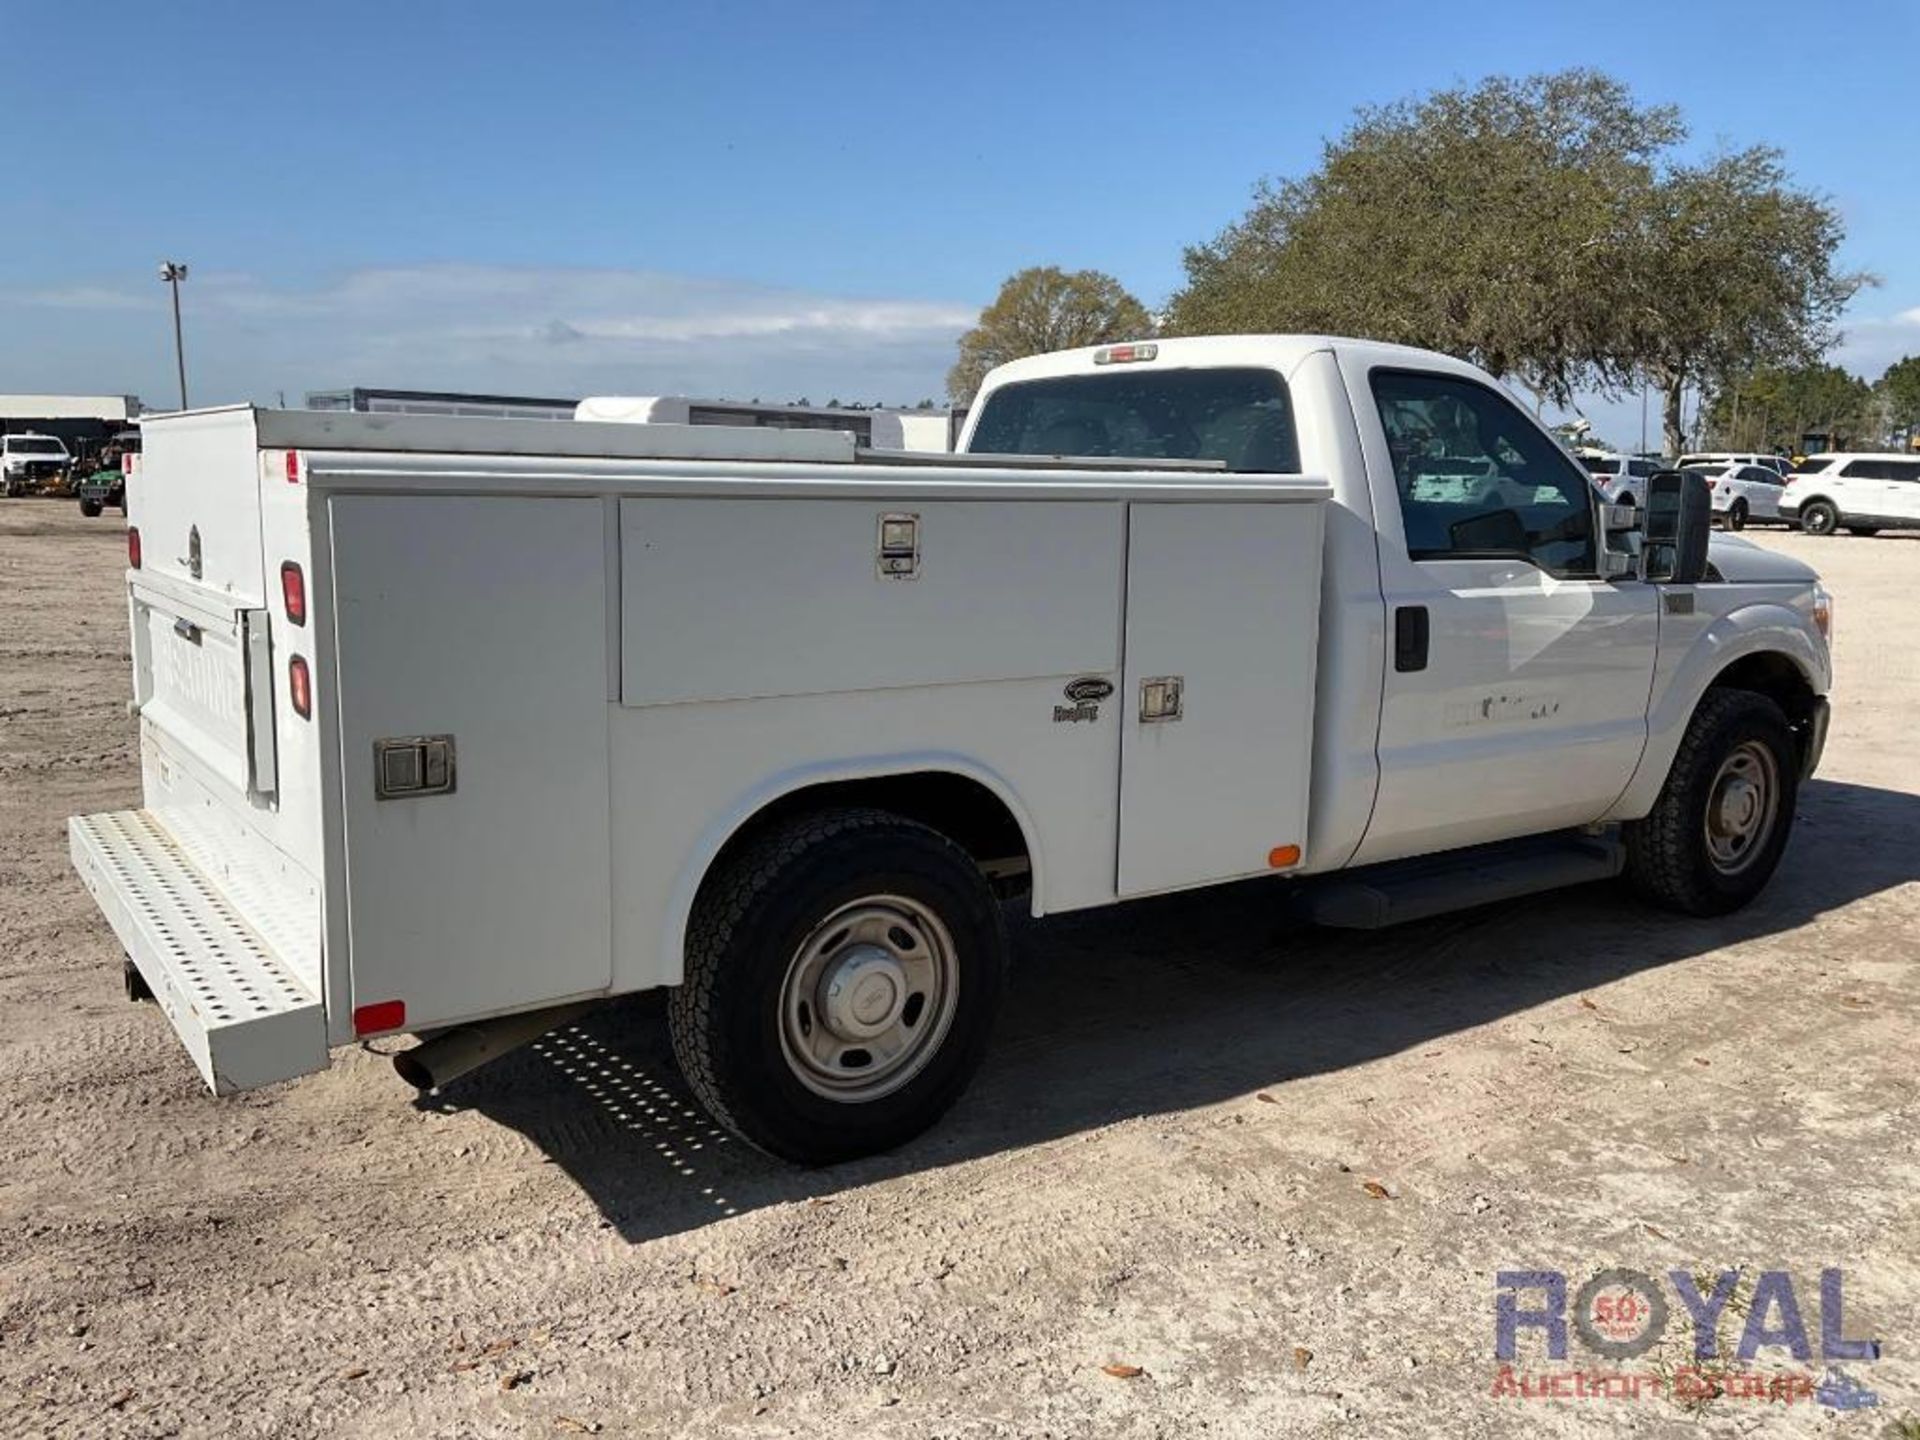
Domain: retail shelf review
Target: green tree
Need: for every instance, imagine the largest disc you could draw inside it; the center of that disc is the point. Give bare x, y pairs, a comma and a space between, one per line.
1899, 390
1487, 222
1732, 269
1772, 408
1540, 228
1042, 309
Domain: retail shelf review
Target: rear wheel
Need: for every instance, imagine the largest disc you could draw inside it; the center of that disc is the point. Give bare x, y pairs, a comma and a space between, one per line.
1819, 517
90, 508
843, 971
1863, 529
1715, 834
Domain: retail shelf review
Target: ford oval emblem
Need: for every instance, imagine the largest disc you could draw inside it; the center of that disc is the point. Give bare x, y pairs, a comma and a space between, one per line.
1089, 691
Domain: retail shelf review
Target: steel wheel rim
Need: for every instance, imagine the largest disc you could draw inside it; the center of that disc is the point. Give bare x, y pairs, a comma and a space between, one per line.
1742, 805
868, 998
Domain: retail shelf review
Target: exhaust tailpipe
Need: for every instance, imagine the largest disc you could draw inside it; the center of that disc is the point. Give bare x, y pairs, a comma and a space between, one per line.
449, 1054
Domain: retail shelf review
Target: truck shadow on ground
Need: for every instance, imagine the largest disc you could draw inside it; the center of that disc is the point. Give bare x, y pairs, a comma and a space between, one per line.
1162, 1006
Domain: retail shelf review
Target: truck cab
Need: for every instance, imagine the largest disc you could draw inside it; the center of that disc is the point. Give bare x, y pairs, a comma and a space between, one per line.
1487, 671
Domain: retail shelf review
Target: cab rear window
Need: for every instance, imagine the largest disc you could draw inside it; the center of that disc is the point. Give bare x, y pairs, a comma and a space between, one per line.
1240, 417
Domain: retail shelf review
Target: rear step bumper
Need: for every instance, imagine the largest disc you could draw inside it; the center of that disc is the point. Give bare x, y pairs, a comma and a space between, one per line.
242, 1015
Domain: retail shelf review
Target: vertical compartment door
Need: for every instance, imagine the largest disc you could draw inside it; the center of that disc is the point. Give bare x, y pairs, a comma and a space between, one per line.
1222, 633
472, 686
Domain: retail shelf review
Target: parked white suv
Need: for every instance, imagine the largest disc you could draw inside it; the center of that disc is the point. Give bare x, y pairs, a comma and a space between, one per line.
1741, 492
1779, 464
1863, 493
1621, 478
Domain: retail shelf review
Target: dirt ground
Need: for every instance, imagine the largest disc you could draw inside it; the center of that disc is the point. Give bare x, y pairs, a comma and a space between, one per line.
1165, 1165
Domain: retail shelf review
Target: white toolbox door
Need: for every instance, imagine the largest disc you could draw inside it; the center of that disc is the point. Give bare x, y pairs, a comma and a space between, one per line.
1224, 601
483, 619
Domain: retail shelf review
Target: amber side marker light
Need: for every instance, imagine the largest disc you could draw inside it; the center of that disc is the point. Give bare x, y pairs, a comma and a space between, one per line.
1281, 856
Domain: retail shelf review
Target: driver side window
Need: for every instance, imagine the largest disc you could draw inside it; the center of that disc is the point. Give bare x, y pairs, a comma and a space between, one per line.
1477, 479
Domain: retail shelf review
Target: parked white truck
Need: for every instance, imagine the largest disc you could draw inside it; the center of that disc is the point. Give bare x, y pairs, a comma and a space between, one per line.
453, 726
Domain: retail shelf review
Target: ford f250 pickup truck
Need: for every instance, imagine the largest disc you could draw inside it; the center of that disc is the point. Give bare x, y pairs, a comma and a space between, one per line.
455, 727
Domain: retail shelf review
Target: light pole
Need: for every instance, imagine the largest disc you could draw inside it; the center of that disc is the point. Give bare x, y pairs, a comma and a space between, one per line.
173, 272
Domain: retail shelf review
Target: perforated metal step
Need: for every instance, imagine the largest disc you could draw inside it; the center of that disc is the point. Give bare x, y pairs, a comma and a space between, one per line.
242, 1014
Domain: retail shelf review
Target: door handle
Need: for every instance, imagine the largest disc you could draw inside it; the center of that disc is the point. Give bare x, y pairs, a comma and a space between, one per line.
1410, 638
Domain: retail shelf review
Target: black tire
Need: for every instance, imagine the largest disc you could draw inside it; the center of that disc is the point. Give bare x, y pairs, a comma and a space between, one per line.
1819, 517
752, 921
1737, 515
90, 508
1628, 500
1669, 859
1863, 529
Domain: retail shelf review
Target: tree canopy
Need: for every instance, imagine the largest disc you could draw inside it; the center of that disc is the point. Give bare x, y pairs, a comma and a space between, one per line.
1041, 309
1899, 391
1485, 222
1734, 270
1774, 407
1541, 228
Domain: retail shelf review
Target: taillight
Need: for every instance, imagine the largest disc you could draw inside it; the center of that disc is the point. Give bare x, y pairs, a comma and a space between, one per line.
133, 547
293, 592
293, 467
300, 687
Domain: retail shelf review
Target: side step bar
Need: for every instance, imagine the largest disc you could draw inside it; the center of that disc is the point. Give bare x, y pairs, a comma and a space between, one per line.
1404, 890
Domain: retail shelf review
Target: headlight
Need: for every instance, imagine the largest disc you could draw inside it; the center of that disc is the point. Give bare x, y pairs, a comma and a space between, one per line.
1823, 612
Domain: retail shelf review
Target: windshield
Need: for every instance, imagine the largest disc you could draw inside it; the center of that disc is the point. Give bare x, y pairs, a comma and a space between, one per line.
32, 445
1241, 418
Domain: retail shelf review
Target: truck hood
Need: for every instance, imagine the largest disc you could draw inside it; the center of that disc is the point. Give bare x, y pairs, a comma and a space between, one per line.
1742, 561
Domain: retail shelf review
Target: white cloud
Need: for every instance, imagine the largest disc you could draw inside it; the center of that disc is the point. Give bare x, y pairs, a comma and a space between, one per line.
478, 327
1870, 345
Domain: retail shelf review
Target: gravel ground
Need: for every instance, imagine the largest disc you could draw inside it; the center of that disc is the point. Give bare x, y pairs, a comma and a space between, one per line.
1277, 1172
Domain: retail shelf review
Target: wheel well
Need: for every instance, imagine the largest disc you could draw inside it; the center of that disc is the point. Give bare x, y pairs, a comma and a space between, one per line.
958, 806
1772, 674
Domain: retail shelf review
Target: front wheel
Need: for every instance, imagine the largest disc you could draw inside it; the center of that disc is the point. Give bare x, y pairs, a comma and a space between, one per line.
1715, 834
1737, 515
1819, 518
843, 971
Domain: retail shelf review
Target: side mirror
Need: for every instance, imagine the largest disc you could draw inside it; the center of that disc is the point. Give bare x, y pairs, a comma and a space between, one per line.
1679, 520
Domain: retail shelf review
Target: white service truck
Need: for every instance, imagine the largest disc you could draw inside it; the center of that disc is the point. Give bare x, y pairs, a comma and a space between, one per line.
456, 726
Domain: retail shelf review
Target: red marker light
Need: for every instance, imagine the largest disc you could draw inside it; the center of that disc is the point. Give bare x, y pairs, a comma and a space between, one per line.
133, 547
293, 467
300, 687
380, 1016
293, 592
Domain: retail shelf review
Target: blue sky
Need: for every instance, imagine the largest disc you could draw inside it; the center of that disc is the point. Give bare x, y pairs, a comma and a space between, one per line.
771, 199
